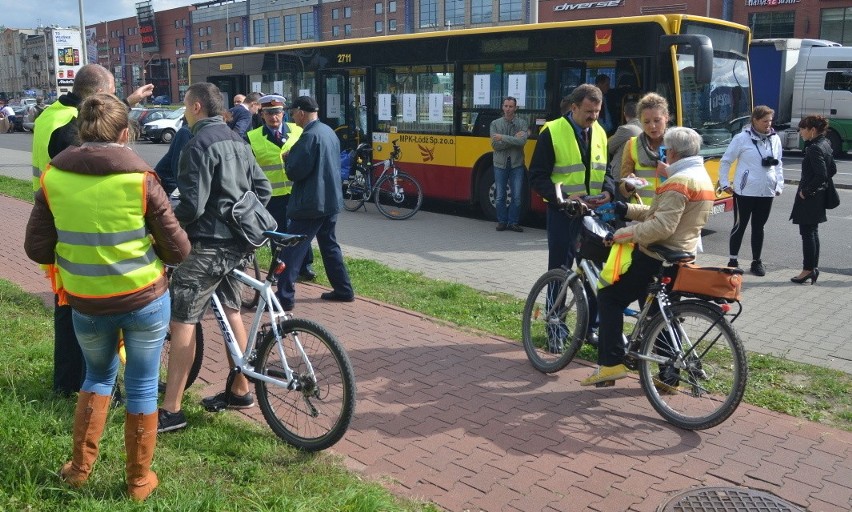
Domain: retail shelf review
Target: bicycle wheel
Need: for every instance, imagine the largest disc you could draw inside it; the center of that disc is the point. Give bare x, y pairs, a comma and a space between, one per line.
355, 190
317, 415
398, 197
555, 320
708, 378
197, 359
250, 296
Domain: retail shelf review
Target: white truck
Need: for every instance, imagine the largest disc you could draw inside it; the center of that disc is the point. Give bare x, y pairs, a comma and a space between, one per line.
800, 77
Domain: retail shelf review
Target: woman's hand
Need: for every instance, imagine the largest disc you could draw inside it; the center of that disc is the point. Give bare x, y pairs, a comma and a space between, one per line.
802, 194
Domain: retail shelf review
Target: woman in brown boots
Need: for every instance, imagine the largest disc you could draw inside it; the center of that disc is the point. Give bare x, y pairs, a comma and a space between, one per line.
103, 225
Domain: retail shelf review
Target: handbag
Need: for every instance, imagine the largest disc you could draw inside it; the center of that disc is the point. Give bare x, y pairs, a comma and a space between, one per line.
832, 198
248, 219
723, 283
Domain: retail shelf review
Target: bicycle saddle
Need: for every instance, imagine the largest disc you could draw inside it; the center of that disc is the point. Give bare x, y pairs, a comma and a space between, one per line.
364, 148
671, 255
285, 239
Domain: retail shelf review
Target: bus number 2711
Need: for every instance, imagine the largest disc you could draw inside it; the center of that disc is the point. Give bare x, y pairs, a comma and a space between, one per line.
344, 58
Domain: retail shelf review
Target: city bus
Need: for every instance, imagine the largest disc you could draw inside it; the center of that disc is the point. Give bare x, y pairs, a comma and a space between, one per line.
436, 93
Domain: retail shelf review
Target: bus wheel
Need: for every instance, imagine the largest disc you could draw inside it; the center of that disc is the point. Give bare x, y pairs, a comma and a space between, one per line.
485, 194
836, 144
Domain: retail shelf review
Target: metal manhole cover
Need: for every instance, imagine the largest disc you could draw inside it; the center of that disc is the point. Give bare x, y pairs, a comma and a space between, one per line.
727, 499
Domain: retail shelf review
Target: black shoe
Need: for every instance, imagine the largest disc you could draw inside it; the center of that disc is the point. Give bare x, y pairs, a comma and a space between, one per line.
733, 263
516, 228
757, 268
501, 226
170, 421
592, 337
307, 274
233, 401
336, 297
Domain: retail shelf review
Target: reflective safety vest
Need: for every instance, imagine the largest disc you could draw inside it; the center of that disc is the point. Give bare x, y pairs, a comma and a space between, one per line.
268, 156
103, 249
644, 171
569, 169
619, 260
52, 118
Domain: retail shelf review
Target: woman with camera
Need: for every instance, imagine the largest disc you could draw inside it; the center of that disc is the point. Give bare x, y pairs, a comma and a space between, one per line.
759, 177
809, 205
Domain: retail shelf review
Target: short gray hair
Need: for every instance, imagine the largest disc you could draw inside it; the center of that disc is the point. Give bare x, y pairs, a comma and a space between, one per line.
685, 141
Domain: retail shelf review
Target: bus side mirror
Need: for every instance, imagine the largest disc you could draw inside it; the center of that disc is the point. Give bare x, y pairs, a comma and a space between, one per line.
701, 49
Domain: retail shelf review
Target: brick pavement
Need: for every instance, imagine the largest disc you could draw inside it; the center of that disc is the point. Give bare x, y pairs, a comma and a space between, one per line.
460, 419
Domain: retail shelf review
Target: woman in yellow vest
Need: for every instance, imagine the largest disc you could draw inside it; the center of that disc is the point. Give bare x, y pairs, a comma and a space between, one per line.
642, 153
104, 223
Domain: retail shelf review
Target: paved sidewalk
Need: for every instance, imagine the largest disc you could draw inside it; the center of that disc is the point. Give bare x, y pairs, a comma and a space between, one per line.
461, 420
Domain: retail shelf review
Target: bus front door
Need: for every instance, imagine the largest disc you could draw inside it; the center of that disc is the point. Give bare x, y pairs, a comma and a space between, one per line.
345, 109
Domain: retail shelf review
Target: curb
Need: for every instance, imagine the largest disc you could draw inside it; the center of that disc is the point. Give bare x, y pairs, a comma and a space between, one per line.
842, 186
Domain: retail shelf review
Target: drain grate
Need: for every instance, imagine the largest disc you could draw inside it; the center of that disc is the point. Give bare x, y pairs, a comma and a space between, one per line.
727, 499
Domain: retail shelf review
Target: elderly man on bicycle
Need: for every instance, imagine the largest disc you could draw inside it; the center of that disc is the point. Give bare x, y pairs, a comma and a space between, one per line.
674, 220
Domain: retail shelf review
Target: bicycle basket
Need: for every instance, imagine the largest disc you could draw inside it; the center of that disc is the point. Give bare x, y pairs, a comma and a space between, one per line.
591, 244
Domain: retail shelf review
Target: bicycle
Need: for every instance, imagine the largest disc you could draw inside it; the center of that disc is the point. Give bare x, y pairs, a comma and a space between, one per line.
397, 195
692, 364
303, 379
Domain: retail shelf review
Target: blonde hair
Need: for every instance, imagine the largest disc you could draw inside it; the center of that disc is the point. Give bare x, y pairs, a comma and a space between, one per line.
102, 118
652, 101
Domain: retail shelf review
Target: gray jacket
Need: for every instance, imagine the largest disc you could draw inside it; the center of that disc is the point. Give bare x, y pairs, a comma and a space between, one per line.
216, 168
313, 165
617, 142
511, 147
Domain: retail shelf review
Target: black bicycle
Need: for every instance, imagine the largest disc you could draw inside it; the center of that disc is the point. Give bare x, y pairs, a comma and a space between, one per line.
397, 195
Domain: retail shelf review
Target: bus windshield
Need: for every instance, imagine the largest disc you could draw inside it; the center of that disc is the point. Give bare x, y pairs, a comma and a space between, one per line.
717, 110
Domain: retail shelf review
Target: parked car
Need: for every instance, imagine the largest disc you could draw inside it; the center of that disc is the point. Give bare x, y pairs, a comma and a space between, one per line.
20, 112
142, 115
163, 130
161, 100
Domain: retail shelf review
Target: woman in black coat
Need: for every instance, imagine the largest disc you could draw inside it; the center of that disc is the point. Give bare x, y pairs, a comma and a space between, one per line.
809, 205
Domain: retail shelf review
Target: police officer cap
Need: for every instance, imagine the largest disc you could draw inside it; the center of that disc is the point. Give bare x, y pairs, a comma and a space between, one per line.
273, 101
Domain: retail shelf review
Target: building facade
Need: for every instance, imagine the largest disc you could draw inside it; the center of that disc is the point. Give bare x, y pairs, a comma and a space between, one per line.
154, 46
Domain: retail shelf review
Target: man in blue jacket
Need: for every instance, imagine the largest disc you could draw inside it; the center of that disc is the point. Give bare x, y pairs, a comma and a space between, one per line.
313, 165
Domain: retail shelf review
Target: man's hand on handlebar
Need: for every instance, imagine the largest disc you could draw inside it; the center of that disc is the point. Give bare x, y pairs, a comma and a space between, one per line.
593, 201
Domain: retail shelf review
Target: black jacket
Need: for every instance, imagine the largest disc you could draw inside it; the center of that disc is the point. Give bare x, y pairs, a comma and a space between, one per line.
815, 170
216, 168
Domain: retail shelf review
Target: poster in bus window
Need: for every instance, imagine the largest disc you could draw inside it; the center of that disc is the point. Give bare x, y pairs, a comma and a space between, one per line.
518, 89
384, 107
332, 106
304, 92
409, 108
436, 108
255, 87
278, 87
481, 90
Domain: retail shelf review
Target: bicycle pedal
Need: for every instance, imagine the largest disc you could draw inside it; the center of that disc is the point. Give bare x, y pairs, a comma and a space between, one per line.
605, 384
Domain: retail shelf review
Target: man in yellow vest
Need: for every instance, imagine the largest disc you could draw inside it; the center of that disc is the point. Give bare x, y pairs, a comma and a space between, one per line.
269, 143
54, 130
571, 152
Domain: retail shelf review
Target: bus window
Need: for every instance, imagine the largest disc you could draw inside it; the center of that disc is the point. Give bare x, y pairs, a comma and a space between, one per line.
485, 86
414, 99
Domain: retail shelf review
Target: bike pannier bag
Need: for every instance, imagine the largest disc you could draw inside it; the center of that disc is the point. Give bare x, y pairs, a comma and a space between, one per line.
591, 245
712, 282
248, 219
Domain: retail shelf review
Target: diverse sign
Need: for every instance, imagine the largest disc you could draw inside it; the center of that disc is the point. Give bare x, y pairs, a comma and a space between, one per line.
577, 6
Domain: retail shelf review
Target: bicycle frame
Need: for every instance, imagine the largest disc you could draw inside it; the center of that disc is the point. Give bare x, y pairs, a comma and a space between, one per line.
268, 304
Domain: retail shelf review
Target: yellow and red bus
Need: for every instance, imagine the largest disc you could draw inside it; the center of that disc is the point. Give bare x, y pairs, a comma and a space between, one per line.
437, 92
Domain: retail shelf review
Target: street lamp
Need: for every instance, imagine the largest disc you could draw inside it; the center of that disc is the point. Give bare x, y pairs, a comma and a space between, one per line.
82, 34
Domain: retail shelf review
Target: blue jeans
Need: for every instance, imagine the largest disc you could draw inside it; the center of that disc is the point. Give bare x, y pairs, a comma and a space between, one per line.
144, 331
514, 179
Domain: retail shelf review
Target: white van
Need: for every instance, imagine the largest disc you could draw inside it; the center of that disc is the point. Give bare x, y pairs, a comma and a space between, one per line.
163, 130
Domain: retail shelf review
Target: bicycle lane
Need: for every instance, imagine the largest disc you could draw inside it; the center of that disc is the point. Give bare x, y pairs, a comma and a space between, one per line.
462, 420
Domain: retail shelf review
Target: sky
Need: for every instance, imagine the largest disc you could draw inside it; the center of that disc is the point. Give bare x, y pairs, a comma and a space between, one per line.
65, 13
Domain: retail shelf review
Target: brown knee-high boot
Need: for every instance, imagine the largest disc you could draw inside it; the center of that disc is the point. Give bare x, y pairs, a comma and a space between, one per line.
140, 438
89, 420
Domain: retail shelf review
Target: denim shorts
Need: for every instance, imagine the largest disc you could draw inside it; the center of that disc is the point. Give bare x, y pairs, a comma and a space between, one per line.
203, 272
